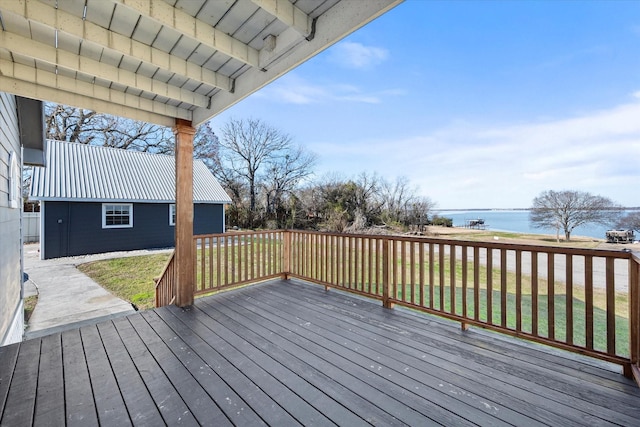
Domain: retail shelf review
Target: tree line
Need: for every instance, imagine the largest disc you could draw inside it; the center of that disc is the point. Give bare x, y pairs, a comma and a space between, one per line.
271, 180
269, 177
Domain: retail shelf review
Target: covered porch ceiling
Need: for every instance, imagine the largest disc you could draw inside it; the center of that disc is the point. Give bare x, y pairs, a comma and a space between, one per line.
162, 60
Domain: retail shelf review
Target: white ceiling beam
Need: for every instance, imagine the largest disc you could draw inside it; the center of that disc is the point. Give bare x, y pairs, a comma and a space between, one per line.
287, 13
44, 78
128, 109
90, 67
66, 23
198, 30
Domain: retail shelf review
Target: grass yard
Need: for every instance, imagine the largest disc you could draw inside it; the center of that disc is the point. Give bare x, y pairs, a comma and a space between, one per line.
128, 278
29, 305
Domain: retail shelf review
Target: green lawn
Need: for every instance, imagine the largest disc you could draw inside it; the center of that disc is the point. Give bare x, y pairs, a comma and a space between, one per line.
129, 278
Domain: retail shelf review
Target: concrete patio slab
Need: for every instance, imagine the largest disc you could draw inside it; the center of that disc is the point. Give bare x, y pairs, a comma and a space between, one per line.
67, 298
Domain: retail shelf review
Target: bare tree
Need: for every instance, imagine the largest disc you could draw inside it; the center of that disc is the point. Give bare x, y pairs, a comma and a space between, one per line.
259, 156
64, 123
285, 171
567, 210
397, 199
418, 212
630, 221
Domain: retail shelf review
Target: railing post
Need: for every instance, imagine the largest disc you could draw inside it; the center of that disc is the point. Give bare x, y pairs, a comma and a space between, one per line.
286, 253
634, 319
387, 284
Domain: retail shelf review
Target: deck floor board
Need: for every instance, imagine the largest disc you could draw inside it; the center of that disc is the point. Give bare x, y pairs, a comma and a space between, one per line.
467, 381
480, 355
50, 409
289, 353
532, 372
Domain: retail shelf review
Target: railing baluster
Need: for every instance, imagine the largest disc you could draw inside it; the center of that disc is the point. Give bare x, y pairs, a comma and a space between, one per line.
611, 306
431, 275
476, 283
210, 261
441, 275
421, 272
588, 285
452, 278
569, 298
412, 279
226, 259
386, 285
489, 286
534, 293
246, 258
379, 242
403, 269
353, 262
464, 278
394, 270
343, 267
503, 288
239, 245
518, 290
363, 255
551, 310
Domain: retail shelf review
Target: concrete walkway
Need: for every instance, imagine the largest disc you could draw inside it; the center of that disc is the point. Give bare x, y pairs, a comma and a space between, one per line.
67, 298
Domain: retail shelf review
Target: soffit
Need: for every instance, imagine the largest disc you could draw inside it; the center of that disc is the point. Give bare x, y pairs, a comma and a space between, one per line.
158, 60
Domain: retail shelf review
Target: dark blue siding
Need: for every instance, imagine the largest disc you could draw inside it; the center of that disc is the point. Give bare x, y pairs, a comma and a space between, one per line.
75, 228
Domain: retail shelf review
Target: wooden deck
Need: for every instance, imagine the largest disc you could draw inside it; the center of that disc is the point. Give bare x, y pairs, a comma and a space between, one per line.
286, 353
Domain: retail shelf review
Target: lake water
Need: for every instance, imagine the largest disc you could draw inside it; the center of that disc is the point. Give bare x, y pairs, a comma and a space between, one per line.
517, 221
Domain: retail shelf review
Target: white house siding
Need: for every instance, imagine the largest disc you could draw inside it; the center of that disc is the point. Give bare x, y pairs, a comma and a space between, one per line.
11, 314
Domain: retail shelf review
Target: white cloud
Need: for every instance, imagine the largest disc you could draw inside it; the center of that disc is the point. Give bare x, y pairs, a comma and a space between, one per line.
356, 55
292, 89
464, 165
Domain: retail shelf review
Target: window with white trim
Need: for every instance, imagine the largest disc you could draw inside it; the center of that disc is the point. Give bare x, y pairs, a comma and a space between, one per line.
15, 181
172, 214
117, 215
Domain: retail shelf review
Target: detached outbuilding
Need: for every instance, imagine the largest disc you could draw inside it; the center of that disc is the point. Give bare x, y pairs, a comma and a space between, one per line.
99, 199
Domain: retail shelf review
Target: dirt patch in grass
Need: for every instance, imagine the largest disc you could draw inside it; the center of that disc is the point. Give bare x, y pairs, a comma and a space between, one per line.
458, 233
129, 278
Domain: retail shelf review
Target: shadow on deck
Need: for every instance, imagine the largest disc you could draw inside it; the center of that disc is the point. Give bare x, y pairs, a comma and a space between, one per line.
288, 353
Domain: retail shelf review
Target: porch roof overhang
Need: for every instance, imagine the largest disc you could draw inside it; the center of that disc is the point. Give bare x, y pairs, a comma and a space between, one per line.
162, 60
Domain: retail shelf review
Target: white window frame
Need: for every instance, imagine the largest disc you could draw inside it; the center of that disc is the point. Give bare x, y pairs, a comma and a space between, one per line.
15, 181
172, 214
104, 215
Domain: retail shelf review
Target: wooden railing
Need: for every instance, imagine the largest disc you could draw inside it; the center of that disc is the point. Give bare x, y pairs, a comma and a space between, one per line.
233, 259
166, 283
582, 300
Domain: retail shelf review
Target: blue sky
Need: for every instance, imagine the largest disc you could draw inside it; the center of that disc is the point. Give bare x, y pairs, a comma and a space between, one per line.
479, 104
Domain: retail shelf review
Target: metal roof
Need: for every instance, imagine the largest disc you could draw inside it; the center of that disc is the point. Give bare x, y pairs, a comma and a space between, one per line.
79, 172
158, 60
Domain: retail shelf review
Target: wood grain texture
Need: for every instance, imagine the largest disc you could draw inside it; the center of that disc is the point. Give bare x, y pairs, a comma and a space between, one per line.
290, 353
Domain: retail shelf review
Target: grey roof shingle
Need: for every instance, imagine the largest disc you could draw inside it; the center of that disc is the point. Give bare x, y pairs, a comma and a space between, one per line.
79, 172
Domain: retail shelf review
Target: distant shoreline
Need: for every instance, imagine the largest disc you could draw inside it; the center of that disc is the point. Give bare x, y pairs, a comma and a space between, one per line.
636, 208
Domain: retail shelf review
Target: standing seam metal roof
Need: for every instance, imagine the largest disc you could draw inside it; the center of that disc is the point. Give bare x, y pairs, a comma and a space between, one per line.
79, 172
